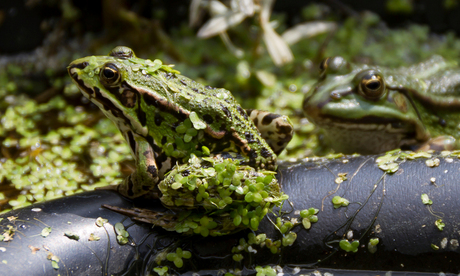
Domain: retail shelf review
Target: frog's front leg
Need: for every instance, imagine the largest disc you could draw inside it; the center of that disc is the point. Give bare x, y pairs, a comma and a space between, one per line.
277, 130
146, 176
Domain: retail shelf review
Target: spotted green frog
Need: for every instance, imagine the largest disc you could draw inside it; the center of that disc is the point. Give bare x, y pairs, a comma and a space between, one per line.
181, 135
371, 109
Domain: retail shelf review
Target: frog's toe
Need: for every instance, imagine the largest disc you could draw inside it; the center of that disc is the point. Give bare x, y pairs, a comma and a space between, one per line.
162, 219
440, 143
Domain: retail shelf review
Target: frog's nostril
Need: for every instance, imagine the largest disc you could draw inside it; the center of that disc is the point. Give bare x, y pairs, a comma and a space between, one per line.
74, 67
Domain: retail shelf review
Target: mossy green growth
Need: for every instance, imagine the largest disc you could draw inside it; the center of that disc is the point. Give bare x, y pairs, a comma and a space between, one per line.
219, 196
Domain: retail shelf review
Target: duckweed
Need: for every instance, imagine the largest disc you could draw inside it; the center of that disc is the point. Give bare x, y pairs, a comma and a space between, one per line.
45, 232
54, 260
426, 200
340, 202
372, 245
93, 237
349, 246
122, 234
439, 224
177, 257
265, 271
212, 183
309, 217
71, 235
161, 270
49, 165
289, 239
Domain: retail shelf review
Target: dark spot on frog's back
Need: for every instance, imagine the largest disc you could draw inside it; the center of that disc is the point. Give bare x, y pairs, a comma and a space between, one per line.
208, 119
242, 112
442, 122
249, 137
269, 118
170, 75
252, 154
158, 119
183, 82
265, 153
226, 111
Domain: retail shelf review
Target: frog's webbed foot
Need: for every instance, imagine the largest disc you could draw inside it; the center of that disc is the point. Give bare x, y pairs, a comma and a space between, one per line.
277, 130
440, 143
124, 190
166, 220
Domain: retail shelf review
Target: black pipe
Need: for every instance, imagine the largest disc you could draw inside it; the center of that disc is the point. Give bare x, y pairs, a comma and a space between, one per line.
384, 206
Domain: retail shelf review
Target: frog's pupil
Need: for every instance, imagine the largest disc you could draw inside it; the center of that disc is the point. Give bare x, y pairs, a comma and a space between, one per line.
108, 73
373, 85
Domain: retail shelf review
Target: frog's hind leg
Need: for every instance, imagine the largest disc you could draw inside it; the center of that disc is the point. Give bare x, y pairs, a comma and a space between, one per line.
276, 129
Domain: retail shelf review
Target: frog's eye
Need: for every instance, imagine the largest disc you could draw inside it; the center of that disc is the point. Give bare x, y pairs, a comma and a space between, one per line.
110, 75
122, 52
371, 84
334, 65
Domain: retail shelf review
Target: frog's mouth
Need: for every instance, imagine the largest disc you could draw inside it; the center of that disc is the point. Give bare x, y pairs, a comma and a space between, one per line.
371, 135
408, 129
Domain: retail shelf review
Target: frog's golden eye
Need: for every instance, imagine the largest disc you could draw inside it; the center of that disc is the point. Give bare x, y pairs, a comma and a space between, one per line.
110, 75
371, 84
334, 65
